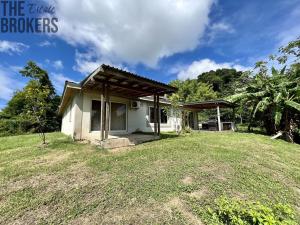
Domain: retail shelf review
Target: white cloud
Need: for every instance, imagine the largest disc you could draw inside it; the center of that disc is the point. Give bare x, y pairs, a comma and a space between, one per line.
222, 26
46, 43
59, 80
217, 29
88, 62
204, 65
8, 84
58, 64
133, 31
11, 47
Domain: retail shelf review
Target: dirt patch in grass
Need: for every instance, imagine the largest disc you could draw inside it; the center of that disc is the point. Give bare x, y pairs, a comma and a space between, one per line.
52, 158
153, 214
48, 159
76, 176
188, 180
297, 190
199, 193
33, 216
221, 171
182, 208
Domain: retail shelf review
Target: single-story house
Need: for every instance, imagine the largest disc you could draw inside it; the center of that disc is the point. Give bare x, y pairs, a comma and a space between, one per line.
111, 102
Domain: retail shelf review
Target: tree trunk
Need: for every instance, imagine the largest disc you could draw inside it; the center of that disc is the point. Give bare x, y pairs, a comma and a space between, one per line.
288, 136
251, 118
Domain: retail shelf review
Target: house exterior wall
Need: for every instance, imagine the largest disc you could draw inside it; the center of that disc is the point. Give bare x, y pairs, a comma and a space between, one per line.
67, 126
137, 119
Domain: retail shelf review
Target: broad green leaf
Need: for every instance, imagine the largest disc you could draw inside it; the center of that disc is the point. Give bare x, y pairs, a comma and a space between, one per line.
293, 104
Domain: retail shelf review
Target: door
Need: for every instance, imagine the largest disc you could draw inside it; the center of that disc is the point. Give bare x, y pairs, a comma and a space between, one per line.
118, 117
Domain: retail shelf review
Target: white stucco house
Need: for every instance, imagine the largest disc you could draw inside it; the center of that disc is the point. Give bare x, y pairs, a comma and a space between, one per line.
111, 103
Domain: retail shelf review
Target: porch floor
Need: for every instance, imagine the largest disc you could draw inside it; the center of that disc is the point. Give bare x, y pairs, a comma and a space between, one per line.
117, 141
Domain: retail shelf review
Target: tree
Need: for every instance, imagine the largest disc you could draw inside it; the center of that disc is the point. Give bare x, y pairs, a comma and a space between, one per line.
37, 106
15, 117
275, 93
222, 80
192, 90
33, 71
175, 110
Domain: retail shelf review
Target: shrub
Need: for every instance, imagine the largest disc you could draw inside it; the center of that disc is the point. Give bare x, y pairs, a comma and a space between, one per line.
15, 126
242, 212
187, 130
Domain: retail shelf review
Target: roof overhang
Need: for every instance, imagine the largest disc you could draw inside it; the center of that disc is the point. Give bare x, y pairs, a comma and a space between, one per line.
211, 104
124, 84
69, 89
118, 82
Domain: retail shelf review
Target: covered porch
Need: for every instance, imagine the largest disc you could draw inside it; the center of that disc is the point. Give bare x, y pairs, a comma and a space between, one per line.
212, 124
110, 82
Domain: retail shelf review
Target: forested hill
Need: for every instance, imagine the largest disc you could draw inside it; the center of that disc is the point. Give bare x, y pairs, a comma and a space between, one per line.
211, 85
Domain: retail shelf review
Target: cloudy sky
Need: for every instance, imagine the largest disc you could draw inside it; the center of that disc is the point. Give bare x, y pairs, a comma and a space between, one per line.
159, 39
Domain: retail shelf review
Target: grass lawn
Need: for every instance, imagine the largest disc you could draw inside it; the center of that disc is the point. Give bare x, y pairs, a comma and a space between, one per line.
170, 181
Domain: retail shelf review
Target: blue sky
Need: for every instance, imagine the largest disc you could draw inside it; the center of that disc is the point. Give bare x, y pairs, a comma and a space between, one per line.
163, 40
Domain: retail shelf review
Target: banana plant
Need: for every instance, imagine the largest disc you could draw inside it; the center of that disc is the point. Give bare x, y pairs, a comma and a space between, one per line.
276, 95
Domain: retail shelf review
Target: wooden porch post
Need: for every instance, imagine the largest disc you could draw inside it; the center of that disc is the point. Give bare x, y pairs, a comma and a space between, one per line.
158, 115
102, 127
155, 115
196, 122
107, 116
219, 118
183, 119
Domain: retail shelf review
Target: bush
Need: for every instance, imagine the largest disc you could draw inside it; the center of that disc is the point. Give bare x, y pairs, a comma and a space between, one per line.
186, 130
241, 212
15, 126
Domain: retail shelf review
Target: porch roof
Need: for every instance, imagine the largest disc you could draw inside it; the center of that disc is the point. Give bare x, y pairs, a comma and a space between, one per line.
124, 84
210, 104
119, 83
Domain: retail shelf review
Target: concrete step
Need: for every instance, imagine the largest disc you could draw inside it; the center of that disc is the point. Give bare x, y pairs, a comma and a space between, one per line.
123, 141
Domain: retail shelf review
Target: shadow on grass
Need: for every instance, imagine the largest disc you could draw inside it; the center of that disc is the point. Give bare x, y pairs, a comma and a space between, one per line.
61, 143
261, 132
168, 135
254, 130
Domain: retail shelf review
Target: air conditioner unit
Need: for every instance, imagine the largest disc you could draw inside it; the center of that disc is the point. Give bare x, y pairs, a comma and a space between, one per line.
135, 104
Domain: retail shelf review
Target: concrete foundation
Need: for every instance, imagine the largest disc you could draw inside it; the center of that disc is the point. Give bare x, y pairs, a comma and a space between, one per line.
125, 140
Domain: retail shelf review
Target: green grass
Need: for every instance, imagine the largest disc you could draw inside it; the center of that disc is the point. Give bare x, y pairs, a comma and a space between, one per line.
170, 181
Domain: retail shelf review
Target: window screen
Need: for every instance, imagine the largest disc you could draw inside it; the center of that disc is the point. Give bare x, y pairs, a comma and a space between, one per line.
118, 116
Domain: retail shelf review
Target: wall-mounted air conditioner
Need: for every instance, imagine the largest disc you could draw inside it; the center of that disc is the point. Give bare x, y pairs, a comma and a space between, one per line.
135, 104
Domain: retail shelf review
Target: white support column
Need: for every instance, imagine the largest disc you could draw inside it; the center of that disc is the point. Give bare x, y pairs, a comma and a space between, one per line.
219, 118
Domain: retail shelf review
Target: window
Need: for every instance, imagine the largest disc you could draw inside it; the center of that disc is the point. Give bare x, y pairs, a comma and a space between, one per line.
118, 116
96, 115
163, 115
